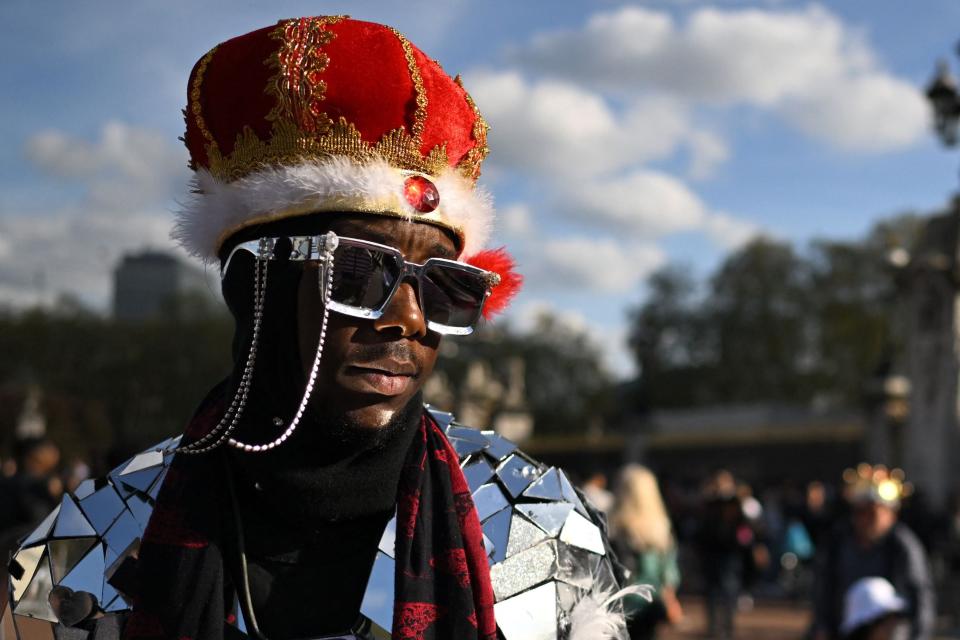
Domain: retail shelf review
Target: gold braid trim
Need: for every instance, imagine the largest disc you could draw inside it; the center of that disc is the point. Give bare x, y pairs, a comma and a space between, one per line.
420, 115
195, 107
288, 146
469, 166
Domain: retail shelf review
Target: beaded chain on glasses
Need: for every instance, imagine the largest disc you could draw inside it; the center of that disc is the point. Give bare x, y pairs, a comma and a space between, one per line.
221, 433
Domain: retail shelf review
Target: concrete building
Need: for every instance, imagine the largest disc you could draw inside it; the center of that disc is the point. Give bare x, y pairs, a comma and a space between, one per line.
152, 283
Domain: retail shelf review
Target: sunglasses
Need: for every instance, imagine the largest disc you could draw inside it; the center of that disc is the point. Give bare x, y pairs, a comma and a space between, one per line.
366, 276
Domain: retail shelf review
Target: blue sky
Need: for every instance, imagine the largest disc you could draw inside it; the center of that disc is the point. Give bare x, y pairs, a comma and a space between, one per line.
625, 134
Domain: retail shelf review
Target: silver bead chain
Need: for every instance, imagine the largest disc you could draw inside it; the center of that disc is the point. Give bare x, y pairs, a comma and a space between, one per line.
232, 416
326, 285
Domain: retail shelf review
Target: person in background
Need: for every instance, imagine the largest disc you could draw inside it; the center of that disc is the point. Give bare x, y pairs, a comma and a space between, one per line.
595, 488
873, 611
723, 539
643, 536
873, 544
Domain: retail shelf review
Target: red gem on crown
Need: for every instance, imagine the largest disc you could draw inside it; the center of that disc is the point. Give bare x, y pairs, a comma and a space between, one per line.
421, 194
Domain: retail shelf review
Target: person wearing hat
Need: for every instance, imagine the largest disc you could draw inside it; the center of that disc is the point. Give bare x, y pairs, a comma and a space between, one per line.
873, 544
872, 610
313, 495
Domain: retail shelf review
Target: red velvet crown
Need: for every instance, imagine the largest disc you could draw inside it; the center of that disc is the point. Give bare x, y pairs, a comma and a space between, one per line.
328, 86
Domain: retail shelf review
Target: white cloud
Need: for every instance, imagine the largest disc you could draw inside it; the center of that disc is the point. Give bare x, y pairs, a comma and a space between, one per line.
126, 168
599, 265
650, 204
560, 129
806, 64
128, 176
514, 221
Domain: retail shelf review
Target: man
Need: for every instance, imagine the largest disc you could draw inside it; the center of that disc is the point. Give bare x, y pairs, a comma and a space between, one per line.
873, 544
313, 495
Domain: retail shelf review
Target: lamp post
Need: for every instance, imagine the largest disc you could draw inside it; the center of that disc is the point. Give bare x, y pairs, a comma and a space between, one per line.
945, 99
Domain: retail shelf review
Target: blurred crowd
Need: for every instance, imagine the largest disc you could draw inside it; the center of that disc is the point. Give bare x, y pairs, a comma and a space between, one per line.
865, 559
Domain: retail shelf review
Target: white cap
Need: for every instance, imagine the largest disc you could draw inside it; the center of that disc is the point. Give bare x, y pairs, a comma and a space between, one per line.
867, 600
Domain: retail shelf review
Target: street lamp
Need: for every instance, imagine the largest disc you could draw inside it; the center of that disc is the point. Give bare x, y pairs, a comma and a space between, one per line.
945, 98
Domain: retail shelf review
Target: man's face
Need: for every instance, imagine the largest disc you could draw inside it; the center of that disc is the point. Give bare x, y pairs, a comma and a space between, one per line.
872, 521
371, 369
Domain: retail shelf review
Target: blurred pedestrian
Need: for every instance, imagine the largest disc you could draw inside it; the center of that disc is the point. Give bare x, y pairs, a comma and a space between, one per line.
874, 611
595, 488
723, 538
643, 534
873, 544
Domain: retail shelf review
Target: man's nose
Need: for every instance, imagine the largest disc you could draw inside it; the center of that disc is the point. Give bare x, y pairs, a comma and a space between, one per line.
403, 313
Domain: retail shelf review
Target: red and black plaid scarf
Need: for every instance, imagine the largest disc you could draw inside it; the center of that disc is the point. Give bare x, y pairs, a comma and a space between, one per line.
442, 579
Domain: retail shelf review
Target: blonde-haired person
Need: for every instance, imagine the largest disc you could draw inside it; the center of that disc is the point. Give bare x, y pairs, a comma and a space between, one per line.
641, 529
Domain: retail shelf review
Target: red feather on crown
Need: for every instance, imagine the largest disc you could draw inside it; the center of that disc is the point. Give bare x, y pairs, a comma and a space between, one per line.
501, 263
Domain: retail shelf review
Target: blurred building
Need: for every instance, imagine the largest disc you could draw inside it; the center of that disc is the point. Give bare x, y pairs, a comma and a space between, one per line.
758, 442
930, 289
153, 283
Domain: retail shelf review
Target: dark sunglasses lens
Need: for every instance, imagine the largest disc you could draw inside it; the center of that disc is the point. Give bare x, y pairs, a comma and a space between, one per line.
363, 277
452, 297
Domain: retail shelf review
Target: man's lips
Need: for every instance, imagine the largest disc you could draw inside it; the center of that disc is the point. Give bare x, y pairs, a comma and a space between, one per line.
383, 378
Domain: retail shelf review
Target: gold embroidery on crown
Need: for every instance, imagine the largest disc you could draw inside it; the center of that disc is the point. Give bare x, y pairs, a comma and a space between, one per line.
420, 115
299, 61
469, 165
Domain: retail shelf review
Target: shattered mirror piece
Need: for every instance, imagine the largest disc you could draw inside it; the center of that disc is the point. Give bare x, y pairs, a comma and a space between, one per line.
66, 553
155, 488
524, 570
527, 616
85, 488
442, 418
141, 480
488, 547
389, 538
497, 529
570, 494
582, 533
489, 499
467, 434
378, 599
102, 508
477, 473
124, 531
71, 523
549, 516
143, 461
43, 530
29, 560
140, 509
576, 566
603, 577
88, 574
568, 596
547, 487
466, 447
33, 629
498, 447
523, 535
109, 594
516, 474
34, 601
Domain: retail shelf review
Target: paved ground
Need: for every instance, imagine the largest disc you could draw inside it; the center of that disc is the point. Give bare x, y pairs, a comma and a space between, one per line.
767, 621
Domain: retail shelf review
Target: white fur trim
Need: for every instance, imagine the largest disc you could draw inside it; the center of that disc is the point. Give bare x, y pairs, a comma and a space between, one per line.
599, 617
218, 209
